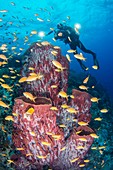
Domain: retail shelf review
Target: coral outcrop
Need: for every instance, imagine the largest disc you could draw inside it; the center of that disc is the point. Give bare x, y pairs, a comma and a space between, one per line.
50, 137
40, 57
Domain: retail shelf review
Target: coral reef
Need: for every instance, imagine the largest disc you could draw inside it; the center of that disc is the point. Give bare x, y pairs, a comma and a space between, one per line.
49, 137
100, 156
40, 57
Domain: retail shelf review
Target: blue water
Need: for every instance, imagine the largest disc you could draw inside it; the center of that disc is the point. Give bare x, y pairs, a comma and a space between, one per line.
96, 31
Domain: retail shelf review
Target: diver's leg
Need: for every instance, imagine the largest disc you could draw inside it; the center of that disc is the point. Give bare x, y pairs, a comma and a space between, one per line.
82, 47
82, 65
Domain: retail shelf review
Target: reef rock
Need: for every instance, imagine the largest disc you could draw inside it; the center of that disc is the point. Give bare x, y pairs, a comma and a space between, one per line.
49, 137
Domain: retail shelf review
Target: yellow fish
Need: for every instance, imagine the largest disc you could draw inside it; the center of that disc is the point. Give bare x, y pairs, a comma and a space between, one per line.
38, 44
4, 154
74, 160
30, 111
101, 152
62, 149
68, 57
53, 108
2, 80
94, 148
71, 51
57, 64
46, 143
10, 161
94, 135
82, 139
95, 99
14, 114
86, 80
53, 39
69, 39
3, 11
20, 149
23, 79
68, 119
56, 136
52, 29
72, 96
56, 47
81, 123
54, 86
39, 76
6, 86
81, 165
49, 133
21, 49
54, 53
42, 157
79, 56
13, 48
32, 74
62, 126
3, 104
31, 68
17, 61
3, 129
58, 70
78, 132
79, 147
2, 56
32, 133
71, 110
29, 154
63, 94
75, 120
4, 62
5, 76
40, 19
45, 43
17, 85
29, 96
95, 67
12, 71
34, 32
64, 106
102, 147
32, 78
103, 110
86, 160
98, 119
10, 68
13, 77
82, 87
9, 118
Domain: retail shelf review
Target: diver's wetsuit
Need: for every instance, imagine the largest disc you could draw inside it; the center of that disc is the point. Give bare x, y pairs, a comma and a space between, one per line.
69, 36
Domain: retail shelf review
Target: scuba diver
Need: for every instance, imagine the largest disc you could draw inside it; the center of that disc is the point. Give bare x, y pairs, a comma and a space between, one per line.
69, 36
